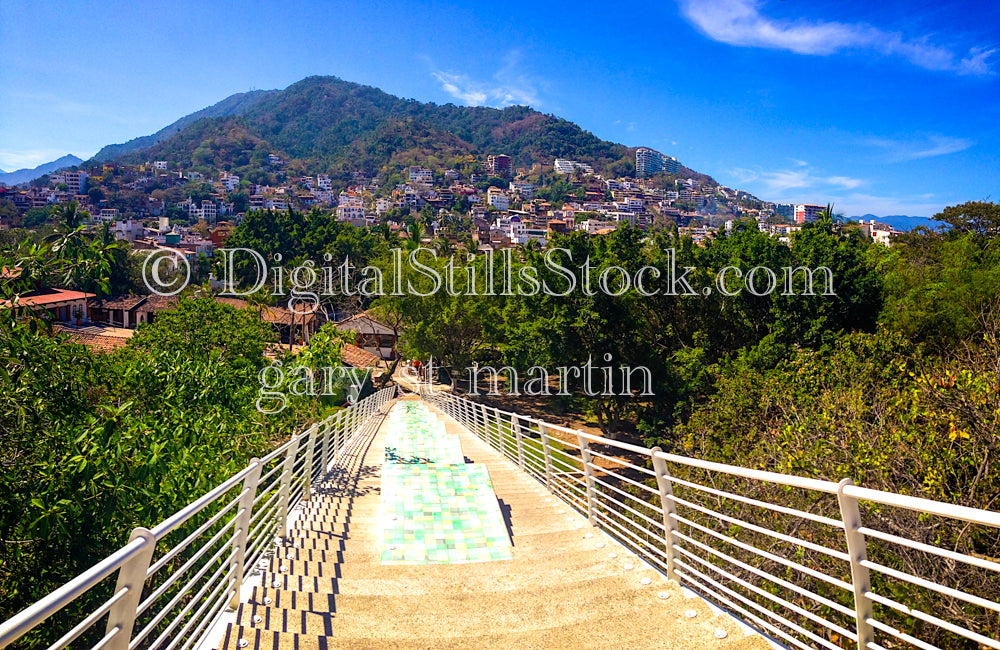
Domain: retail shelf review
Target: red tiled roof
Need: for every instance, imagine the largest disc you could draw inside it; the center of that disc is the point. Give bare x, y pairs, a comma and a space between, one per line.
117, 302
278, 315
97, 342
358, 357
49, 296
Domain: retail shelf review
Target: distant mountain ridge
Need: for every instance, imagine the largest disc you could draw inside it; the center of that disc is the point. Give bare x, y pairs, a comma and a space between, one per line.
328, 125
27, 175
901, 222
232, 105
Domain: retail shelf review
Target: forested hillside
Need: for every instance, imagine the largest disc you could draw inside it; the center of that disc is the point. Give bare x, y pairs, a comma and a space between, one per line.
334, 126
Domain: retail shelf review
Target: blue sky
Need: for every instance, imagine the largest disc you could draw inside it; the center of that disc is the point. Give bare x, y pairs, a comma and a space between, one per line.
889, 107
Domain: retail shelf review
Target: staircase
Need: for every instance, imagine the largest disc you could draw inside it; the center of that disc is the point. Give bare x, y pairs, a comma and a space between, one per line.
333, 583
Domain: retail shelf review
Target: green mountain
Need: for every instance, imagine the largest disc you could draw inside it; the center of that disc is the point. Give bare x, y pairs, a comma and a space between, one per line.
327, 125
232, 105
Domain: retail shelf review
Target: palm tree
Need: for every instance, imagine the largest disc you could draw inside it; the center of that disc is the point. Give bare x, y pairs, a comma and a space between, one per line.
70, 215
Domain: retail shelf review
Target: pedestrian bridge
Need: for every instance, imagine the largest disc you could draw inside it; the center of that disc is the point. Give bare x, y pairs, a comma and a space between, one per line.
438, 522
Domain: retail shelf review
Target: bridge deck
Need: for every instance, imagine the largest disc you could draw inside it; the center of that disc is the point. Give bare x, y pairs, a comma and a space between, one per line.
338, 583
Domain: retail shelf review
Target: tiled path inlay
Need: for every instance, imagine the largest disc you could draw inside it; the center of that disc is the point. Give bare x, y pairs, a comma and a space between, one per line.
435, 507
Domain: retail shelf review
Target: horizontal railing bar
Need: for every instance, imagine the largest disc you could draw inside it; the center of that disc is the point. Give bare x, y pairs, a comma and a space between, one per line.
770, 556
227, 564
934, 620
928, 548
820, 519
266, 507
626, 479
639, 540
760, 608
802, 591
106, 639
927, 584
175, 576
269, 474
198, 505
657, 523
778, 600
765, 531
626, 494
193, 536
22, 623
223, 584
761, 623
209, 620
903, 636
928, 506
173, 602
624, 463
86, 623
760, 475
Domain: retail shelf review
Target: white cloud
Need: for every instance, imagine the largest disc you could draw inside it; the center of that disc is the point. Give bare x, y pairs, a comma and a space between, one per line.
916, 148
793, 185
459, 87
740, 22
510, 85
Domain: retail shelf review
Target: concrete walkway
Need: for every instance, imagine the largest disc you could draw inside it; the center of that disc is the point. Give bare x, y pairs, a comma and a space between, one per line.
566, 586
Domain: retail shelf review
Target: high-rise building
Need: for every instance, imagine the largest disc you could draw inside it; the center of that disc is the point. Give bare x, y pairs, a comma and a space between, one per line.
805, 213
649, 161
499, 165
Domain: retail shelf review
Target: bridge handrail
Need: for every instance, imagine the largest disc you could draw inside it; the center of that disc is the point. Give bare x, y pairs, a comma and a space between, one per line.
651, 526
261, 512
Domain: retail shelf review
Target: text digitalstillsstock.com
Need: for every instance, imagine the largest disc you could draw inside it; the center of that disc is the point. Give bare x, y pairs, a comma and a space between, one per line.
307, 284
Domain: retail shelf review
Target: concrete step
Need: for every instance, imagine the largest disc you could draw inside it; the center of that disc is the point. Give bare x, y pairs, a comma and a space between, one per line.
622, 631
276, 619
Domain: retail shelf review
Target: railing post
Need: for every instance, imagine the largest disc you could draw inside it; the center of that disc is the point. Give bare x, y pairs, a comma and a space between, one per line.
307, 470
131, 576
287, 468
489, 431
548, 455
338, 430
857, 549
515, 423
327, 450
243, 528
667, 505
588, 473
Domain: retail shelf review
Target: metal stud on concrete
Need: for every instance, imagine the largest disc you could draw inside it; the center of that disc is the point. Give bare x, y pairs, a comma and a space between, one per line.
663, 595
720, 634
645, 581
690, 613
243, 643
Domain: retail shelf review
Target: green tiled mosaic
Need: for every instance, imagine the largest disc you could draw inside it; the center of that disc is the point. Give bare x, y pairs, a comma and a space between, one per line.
436, 509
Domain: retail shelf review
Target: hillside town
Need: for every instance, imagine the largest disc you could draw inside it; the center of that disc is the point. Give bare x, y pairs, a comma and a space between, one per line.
161, 204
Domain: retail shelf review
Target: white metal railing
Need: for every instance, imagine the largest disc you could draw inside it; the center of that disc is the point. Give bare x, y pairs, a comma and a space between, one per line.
205, 548
808, 587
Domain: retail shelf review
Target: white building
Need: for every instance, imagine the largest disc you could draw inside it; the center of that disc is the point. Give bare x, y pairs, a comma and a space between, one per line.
524, 190
229, 181
421, 175
498, 199
129, 229
323, 182
570, 166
